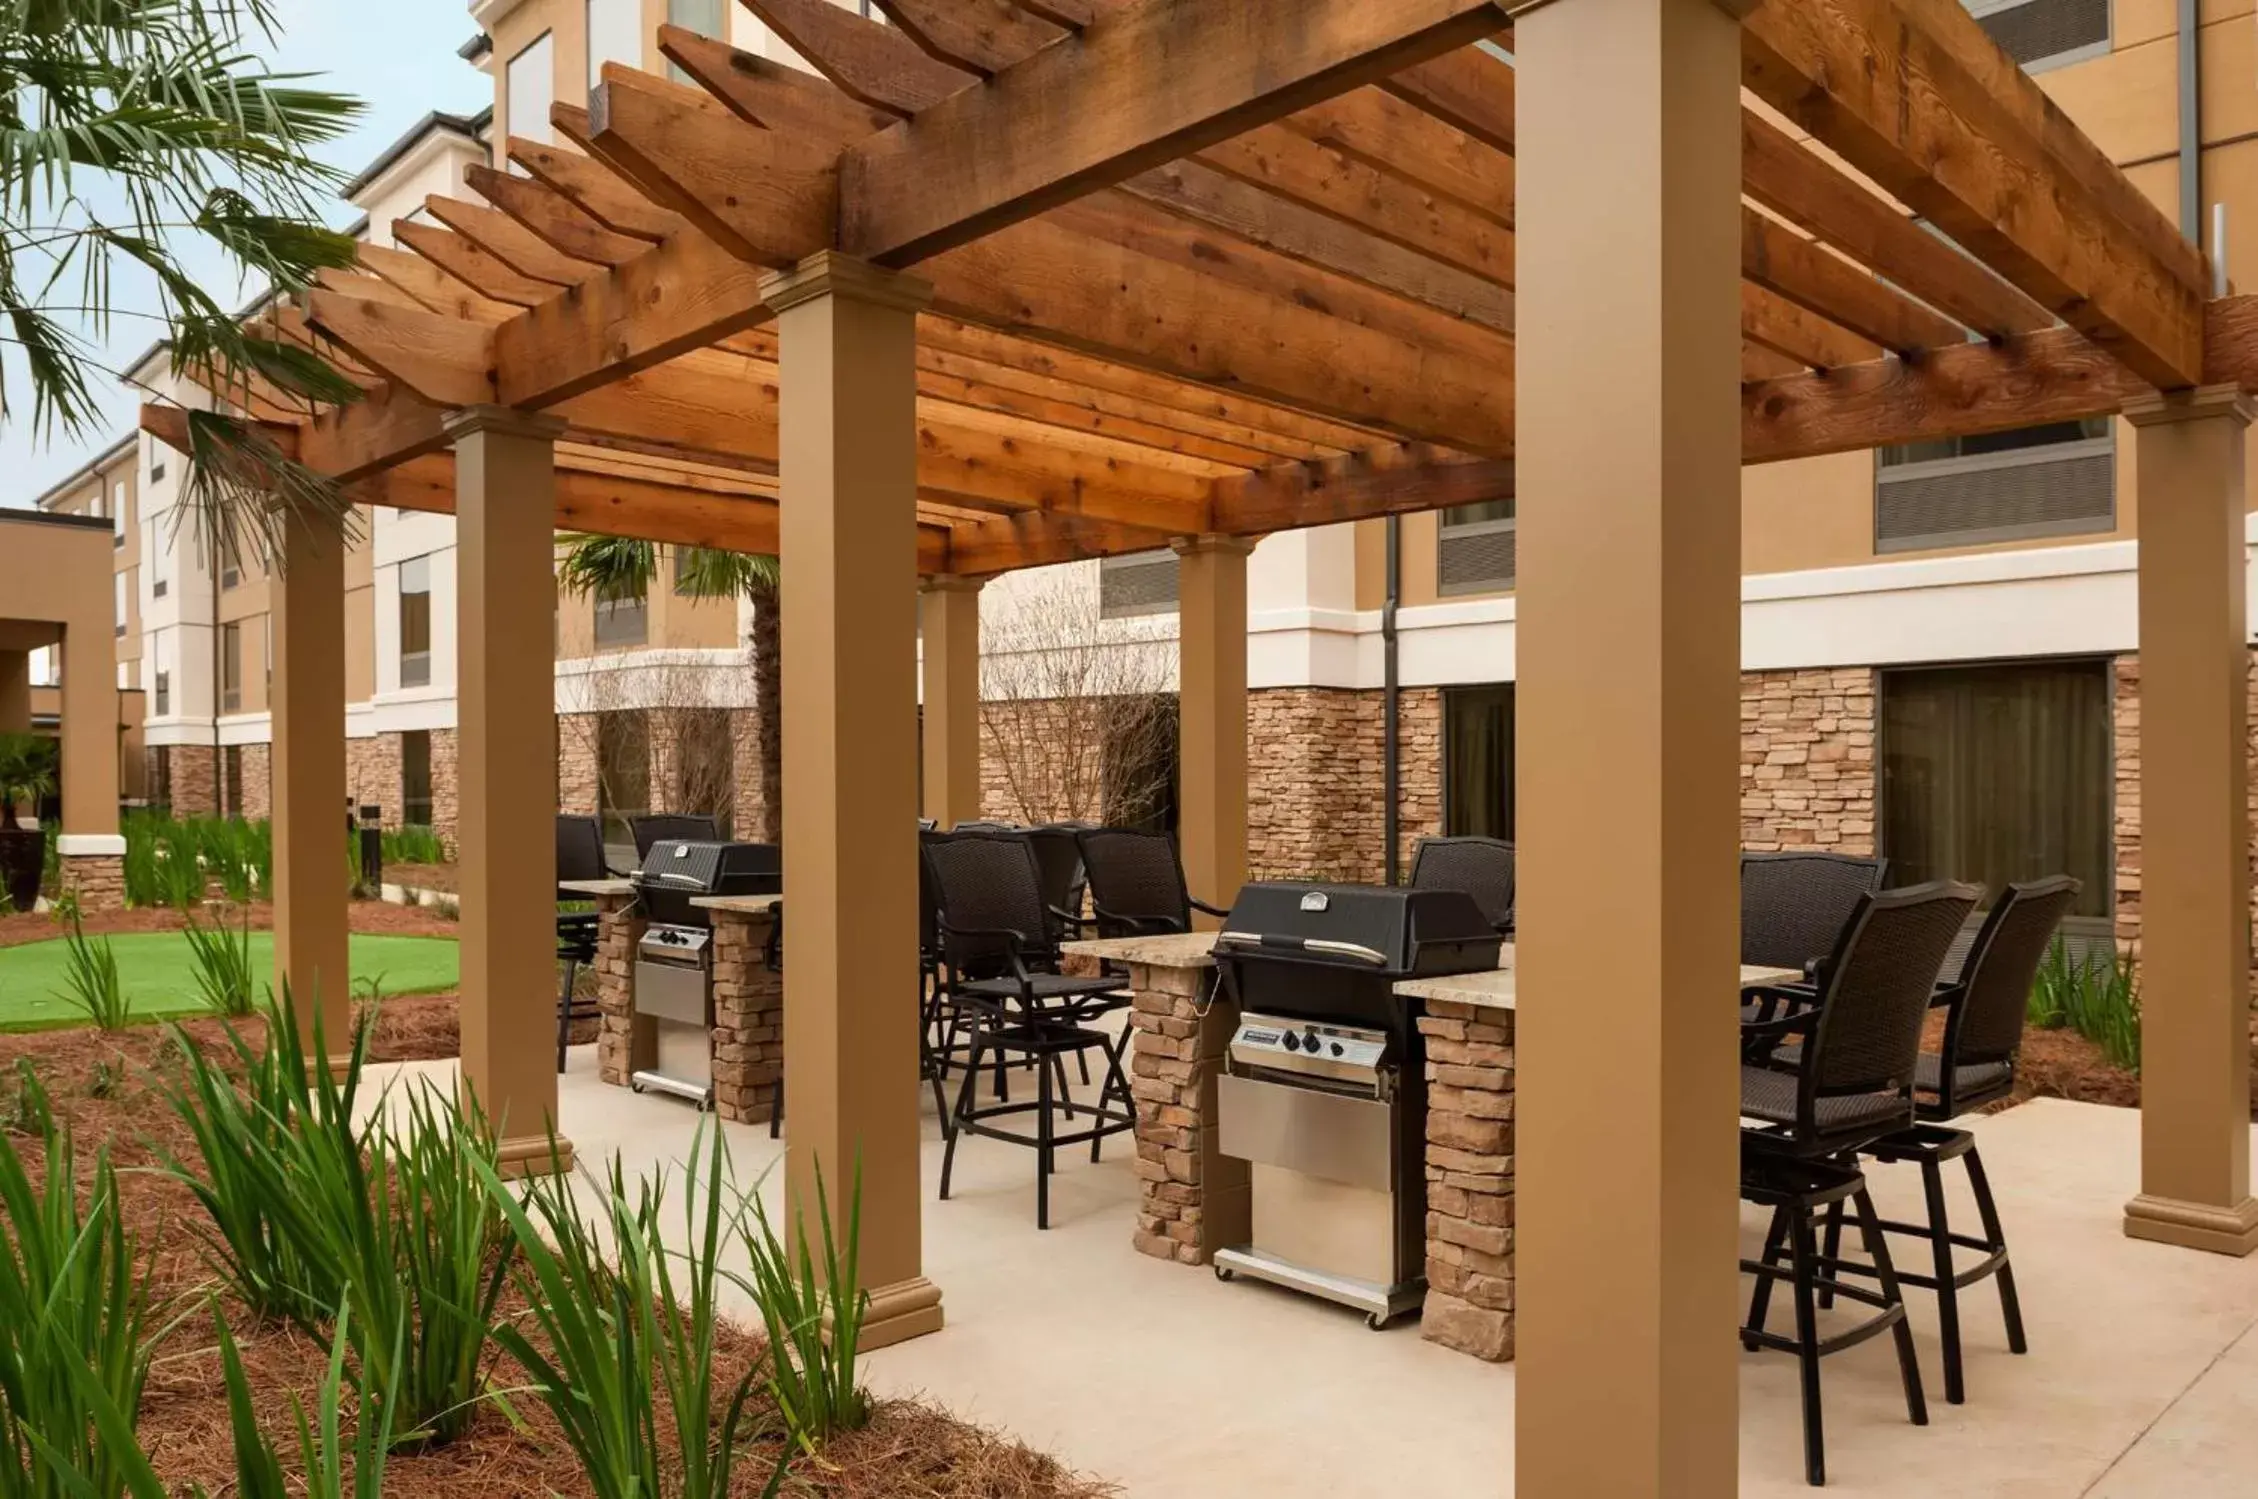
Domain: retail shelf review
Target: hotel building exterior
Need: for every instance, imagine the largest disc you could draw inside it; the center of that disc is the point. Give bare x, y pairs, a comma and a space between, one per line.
1939, 646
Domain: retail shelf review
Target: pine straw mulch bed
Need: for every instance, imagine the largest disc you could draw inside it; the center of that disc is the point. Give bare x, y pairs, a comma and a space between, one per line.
910, 1450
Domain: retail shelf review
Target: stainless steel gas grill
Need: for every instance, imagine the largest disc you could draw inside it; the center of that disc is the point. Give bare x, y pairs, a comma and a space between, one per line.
674, 961
1324, 1091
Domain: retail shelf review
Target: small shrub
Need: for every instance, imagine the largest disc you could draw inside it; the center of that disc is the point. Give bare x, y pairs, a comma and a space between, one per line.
224, 977
618, 1327
2097, 995
813, 1311
73, 1305
321, 1445
106, 1079
91, 979
64, 908
413, 845
23, 1102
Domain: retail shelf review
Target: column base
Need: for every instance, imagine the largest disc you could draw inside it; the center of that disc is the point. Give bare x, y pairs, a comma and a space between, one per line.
2194, 1225
530, 1155
904, 1310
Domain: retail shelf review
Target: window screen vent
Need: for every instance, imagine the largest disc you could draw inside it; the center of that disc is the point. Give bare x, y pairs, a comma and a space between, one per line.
1140, 583
2037, 32
2004, 497
1476, 550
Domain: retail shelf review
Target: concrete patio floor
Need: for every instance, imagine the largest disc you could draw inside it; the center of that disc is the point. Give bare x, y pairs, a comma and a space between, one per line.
2142, 1378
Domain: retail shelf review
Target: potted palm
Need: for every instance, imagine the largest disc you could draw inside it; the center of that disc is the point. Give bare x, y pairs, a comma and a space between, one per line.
27, 773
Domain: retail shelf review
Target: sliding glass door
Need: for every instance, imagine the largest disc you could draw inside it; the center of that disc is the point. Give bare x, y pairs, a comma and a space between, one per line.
1478, 761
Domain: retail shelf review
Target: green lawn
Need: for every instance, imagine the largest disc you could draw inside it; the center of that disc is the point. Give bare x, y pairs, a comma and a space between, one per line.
159, 974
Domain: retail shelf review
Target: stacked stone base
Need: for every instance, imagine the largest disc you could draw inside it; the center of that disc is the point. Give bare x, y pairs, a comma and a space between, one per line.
1469, 1179
1192, 1199
97, 879
621, 1047
748, 1019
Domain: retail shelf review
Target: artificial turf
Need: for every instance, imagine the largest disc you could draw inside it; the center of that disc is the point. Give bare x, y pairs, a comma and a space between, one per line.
157, 970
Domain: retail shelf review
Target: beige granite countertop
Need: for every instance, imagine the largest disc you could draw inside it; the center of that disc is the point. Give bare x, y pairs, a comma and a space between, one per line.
743, 905
598, 887
1171, 950
1495, 988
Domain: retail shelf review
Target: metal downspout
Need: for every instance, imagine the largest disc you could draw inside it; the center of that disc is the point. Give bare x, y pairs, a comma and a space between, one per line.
1391, 770
2191, 122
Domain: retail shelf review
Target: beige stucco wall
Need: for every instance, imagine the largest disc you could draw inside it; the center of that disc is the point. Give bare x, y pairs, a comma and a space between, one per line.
60, 575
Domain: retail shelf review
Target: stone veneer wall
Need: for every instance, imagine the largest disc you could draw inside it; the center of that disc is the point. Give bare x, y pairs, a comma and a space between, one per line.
748, 1019
1192, 1198
194, 790
1807, 760
620, 1048
99, 880
1469, 1167
1316, 780
258, 781
372, 774
446, 786
748, 800
576, 763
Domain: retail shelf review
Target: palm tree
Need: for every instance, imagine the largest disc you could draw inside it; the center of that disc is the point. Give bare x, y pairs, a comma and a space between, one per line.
616, 567
140, 140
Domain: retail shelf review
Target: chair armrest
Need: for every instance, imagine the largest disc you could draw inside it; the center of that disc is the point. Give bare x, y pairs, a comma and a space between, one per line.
1201, 905
1804, 993
1074, 923
1778, 1027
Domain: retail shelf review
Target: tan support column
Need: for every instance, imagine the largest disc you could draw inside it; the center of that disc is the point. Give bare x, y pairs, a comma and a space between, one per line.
505, 483
1627, 384
90, 737
309, 781
848, 468
2194, 825
15, 692
1211, 697
949, 617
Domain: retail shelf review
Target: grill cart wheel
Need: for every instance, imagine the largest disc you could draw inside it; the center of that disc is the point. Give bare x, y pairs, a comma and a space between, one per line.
1375, 1321
1223, 1272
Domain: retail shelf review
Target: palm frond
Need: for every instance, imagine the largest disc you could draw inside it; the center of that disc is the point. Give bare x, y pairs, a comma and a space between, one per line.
618, 567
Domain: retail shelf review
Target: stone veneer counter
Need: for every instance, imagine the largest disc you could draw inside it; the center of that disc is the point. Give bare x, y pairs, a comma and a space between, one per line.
598, 889
739, 905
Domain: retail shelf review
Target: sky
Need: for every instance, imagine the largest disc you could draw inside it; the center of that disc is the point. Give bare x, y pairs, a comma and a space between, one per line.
398, 57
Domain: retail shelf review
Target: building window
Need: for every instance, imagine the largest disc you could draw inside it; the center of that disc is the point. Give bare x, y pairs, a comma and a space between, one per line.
266, 652
1475, 553
622, 617
2043, 34
623, 771
415, 622
117, 602
231, 668
164, 693
2055, 480
231, 571
705, 17
1478, 761
231, 778
117, 515
415, 778
1992, 774
615, 34
531, 80
1138, 583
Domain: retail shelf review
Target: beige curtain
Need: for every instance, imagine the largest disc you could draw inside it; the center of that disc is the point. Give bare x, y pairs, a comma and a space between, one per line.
1479, 774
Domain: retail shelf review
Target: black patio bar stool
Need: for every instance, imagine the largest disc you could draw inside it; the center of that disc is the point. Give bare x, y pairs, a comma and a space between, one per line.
1137, 884
1794, 907
1851, 1085
1975, 1066
580, 856
1481, 867
991, 925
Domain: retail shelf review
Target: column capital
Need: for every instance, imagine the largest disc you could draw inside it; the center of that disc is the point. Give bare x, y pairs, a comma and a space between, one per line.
827, 273
1211, 541
951, 583
506, 421
2164, 407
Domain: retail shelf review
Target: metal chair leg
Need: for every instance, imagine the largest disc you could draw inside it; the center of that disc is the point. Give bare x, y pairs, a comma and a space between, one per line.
1760, 1299
1908, 1366
1948, 1290
776, 1107
2010, 1306
964, 1105
1043, 1141
1831, 1251
1804, 1255
564, 1009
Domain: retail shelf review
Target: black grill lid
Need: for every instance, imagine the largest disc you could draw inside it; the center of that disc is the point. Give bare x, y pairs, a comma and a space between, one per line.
1399, 932
675, 870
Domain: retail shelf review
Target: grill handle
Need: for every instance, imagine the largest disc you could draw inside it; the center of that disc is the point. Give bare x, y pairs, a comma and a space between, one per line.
1327, 946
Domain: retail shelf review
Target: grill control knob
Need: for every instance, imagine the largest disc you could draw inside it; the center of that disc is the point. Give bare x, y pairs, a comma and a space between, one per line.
1336, 1048
1309, 1041
1293, 1042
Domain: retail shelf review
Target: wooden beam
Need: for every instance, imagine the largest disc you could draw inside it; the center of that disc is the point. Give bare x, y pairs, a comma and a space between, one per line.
386, 427
1389, 480
1911, 94
1141, 86
758, 193
437, 290
472, 265
864, 61
1760, 363
1006, 543
551, 217
984, 388
769, 94
1794, 183
1367, 199
983, 37
445, 361
593, 188
1072, 14
1779, 259
508, 241
1469, 90
167, 424
1776, 323
1383, 132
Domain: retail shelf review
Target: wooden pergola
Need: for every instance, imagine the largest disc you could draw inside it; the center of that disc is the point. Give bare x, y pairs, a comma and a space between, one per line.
1013, 282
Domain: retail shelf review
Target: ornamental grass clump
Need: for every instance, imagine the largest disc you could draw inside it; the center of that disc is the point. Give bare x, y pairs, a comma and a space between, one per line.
74, 1355
2097, 995
620, 1327
322, 1450
90, 978
225, 979
813, 1311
